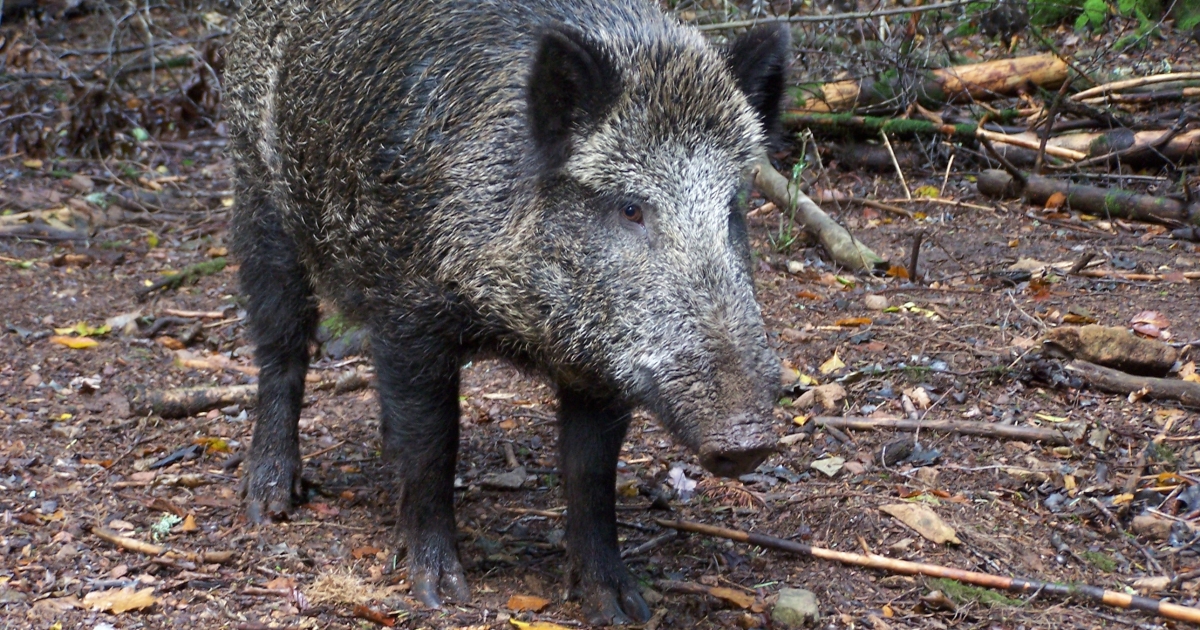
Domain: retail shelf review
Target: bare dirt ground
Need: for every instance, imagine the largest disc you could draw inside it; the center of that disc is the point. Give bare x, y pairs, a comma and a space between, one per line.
74, 455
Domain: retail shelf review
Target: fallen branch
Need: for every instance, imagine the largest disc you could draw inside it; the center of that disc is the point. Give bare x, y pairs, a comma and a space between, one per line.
985, 429
1117, 86
928, 128
845, 250
150, 549
836, 17
1094, 200
188, 401
1137, 146
191, 273
975, 81
1015, 585
1156, 96
1141, 277
1118, 382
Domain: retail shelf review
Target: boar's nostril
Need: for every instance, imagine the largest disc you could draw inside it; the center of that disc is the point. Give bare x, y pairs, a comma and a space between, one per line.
734, 463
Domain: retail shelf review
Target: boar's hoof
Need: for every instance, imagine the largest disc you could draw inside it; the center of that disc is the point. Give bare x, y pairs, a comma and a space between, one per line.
445, 577
271, 486
620, 605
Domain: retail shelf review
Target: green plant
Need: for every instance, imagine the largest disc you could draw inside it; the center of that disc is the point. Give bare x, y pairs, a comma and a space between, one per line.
1100, 561
787, 234
1186, 14
961, 593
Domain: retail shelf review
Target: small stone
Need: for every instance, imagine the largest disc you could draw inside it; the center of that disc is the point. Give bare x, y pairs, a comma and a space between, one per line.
927, 475
512, 480
795, 608
1150, 585
795, 267
875, 302
1152, 526
81, 183
10, 596
652, 597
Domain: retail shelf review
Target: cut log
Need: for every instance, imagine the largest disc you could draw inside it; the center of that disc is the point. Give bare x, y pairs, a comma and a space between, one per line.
1094, 200
1118, 382
977, 81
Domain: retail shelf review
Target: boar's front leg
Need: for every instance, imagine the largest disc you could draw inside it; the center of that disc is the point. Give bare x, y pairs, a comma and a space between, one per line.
282, 315
590, 435
418, 395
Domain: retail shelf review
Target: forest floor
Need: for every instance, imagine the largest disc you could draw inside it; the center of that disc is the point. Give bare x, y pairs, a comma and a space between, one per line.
964, 345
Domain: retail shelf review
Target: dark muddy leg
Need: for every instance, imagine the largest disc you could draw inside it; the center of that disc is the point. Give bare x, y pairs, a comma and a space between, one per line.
418, 394
590, 437
281, 317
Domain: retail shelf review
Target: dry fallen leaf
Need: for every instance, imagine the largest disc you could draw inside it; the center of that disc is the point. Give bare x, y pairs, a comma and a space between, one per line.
374, 616
1153, 318
737, 598
75, 343
922, 520
1188, 372
537, 625
526, 602
832, 365
367, 550
189, 524
281, 583
118, 601
1055, 201
920, 397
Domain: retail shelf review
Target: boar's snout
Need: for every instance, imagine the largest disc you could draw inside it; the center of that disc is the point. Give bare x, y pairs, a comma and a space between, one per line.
737, 448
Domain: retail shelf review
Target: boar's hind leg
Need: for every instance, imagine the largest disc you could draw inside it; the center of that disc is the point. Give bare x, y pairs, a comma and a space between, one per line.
590, 435
281, 316
418, 394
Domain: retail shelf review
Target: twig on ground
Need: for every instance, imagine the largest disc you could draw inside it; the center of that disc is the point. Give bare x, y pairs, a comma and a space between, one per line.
985, 429
150, 549
1116, 86
915, 257
1015, 585
899, 171
657, 541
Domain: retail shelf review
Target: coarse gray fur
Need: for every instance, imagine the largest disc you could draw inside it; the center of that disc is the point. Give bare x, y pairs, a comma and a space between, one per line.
386, 159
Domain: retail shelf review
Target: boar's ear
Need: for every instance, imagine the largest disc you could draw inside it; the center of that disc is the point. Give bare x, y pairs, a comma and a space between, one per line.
571, 86
758, 61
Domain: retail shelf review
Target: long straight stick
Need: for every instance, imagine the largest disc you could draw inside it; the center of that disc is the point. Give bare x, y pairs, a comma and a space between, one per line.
1016, 585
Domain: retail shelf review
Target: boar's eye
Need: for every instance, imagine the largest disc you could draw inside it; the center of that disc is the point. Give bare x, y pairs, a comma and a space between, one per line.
632, 212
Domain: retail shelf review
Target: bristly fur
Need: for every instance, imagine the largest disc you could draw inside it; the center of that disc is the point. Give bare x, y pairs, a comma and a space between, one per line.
452, 174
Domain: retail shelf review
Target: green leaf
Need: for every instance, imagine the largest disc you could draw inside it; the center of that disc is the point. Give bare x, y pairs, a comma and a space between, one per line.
1096, 12
1081, 22
1187, 14
139, 134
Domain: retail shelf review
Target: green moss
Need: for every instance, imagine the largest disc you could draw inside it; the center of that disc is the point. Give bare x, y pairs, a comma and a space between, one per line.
962, 593
1100, 561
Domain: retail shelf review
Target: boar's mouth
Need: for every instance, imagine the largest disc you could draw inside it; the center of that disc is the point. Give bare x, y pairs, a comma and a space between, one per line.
742, 443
